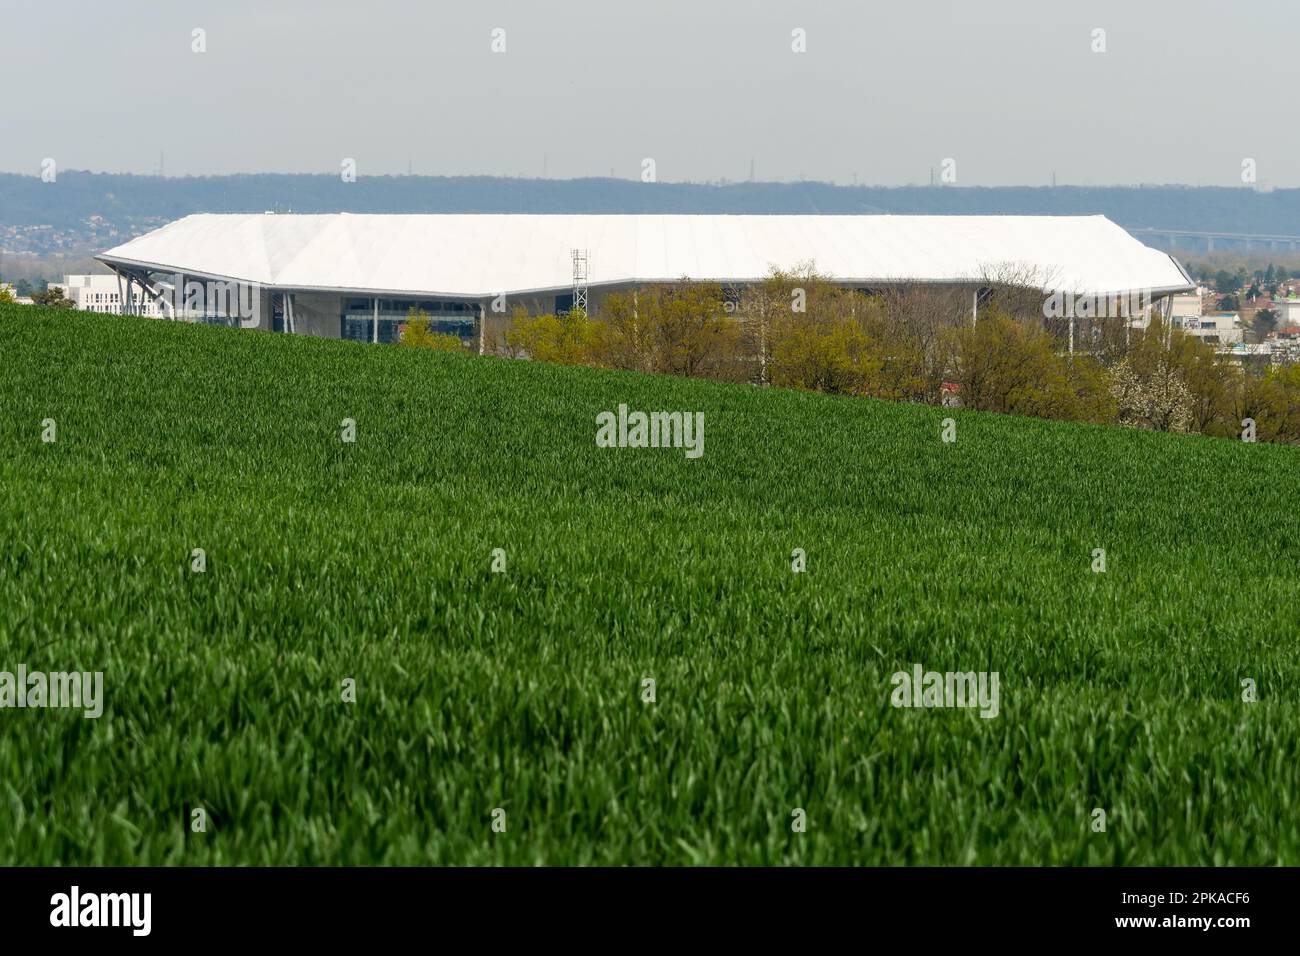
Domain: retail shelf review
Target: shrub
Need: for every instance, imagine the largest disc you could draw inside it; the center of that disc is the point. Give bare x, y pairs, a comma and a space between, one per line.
1158, 400
417, 334
834, 356
54, 297
625, 341
567, 339
1272, 400
1004, 366
1157, 357
691, 331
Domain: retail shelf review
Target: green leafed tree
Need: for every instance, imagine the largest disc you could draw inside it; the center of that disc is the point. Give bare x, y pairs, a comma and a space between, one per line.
1265, 321
567, 339
53, 296
1225, 281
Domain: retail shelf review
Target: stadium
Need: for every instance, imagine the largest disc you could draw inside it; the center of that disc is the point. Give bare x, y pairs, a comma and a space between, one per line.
357, 276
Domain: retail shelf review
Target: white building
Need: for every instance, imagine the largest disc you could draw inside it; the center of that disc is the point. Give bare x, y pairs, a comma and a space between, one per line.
1288, 312
1183, 310
343, 275
1221, 328
102, 293
1186, 306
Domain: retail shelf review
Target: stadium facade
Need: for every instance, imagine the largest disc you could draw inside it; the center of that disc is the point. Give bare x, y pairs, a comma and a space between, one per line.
353, 276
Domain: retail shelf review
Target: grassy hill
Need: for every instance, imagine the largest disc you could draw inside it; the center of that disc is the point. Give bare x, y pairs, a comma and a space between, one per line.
523, 690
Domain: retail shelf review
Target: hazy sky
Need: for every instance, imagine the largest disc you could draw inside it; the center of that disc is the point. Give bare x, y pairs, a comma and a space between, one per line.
1011, 90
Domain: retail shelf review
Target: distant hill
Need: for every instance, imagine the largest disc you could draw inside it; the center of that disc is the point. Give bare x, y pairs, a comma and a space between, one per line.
48, 228
131, 199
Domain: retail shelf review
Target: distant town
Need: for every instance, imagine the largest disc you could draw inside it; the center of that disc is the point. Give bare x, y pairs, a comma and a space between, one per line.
92, 233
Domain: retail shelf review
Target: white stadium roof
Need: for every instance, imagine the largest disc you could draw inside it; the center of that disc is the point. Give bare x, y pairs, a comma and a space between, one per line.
482, 255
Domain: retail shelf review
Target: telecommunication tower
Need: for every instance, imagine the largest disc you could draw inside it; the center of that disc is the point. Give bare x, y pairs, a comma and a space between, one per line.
580, 279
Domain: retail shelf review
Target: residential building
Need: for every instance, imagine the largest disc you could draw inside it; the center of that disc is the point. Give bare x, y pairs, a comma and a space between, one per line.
101, 293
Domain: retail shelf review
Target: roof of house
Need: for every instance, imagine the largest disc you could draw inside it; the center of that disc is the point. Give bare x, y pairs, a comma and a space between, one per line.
479, 256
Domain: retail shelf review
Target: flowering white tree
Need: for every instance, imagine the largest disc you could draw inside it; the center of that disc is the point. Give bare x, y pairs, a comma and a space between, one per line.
1160, 401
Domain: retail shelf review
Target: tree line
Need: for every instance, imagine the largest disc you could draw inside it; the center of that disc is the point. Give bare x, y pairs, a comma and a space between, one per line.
798, 329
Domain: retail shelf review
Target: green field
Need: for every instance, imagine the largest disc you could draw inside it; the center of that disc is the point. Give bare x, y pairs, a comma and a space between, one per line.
523, 690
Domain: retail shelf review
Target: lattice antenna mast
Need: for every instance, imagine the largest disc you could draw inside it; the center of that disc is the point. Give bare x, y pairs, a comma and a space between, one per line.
580, 273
